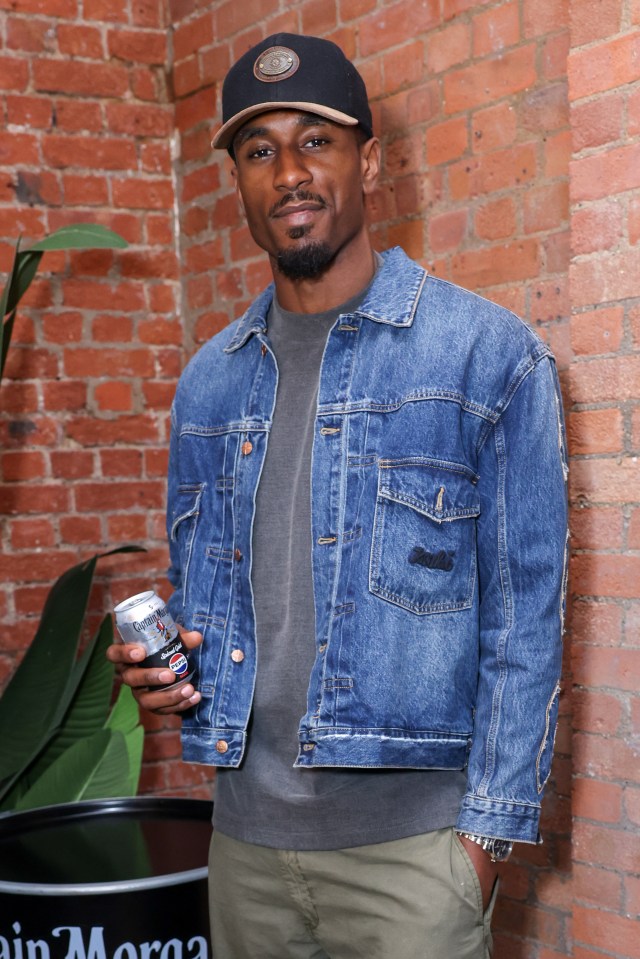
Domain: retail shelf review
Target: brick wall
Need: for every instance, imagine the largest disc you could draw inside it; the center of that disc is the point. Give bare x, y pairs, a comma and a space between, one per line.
498, 175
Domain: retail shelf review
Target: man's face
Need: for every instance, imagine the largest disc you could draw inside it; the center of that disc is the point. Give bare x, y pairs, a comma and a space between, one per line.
302, 181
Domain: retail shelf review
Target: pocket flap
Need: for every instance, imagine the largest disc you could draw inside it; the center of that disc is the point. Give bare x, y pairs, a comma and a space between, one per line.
437, 489
187, 504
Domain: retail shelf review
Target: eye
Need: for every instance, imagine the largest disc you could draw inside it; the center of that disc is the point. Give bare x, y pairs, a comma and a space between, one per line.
259, 153
316, 142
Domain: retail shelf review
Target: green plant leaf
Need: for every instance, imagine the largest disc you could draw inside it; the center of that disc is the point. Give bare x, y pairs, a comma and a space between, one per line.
111, 775
7, 330
40, 692
81, 236
125, 717
26, 269
89, 705
66, 780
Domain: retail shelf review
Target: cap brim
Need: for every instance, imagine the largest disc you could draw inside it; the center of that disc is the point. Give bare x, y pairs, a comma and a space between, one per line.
226, 133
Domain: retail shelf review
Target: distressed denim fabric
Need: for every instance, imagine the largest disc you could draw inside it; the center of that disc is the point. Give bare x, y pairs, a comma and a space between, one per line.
438, 490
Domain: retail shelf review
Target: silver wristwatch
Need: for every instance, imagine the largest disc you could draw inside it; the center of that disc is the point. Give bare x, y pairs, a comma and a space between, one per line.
498, 849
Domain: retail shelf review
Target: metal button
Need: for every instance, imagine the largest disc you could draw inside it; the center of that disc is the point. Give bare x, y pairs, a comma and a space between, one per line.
237, 554
263, 350
308, 746
247, 447
237, 655
221, 746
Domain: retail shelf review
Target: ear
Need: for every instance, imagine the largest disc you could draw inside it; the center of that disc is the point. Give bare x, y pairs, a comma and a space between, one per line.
370, 164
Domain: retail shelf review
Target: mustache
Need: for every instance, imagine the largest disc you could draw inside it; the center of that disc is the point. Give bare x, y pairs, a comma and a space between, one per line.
298, 196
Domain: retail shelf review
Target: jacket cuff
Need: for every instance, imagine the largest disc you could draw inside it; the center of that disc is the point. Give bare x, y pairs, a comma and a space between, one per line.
500, 819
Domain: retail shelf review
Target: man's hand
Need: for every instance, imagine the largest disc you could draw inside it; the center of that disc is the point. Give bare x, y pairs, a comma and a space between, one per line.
487, 871
174, 699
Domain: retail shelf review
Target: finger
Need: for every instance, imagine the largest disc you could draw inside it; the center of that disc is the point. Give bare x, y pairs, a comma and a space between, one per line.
190, 637
123, 653
167, 701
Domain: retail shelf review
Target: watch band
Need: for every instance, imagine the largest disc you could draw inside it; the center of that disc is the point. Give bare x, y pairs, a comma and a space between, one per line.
499, 849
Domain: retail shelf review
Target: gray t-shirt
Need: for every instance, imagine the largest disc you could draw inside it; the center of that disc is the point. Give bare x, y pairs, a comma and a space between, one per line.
267, 800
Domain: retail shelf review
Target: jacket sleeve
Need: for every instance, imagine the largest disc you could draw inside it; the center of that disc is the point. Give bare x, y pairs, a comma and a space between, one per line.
174, 572
522, 563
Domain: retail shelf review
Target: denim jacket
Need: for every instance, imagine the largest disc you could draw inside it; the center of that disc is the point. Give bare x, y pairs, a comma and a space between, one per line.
438, 518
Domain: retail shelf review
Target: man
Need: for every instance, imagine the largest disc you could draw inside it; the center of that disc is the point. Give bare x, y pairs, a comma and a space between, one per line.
367, 520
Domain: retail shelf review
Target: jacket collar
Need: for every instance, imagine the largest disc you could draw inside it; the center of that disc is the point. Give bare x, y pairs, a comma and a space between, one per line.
392, 298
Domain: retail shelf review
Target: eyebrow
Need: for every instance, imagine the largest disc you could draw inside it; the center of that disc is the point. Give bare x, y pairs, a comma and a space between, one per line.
248, 132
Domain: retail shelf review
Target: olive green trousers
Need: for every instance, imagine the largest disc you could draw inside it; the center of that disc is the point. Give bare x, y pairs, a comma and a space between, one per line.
415, 898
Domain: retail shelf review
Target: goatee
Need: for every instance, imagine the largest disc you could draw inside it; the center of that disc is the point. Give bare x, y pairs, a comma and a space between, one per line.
304, 262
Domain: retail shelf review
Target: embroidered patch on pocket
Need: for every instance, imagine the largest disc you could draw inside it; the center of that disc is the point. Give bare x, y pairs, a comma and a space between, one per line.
443, 559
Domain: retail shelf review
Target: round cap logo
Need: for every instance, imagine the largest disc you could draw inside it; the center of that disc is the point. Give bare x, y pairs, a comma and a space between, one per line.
276, 63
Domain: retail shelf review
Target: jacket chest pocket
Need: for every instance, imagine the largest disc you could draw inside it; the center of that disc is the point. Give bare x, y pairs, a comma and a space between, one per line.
423, 554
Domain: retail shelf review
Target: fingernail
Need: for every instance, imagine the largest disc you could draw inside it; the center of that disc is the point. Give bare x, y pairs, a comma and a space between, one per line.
137, 654
187, 691
165, 676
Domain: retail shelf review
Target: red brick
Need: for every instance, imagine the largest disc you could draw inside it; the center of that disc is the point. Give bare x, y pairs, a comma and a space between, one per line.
14, 74
499, 264
127, 527
388, 27
18, 149
595, 431
138, 46
318, 16
160, 331
496, 220
597, 887
606, 278
447, 231
143, 120
114, 396
448, 47
597, 226
32, 533
597, 331
596, 527
557, 154
546, 207
124, 429
79, 77
115, 495
606, 173
447, 141
67, 395
609, 667
555, 53
409, 236
76, 115
596, 712
81, 530
160, 264
231, 17
22, 465
90, 295
86, 361
604, 66
85, 190
71, 464
94, 153
545, 109
597, 122
548, 17
603, 380
598, 801
143, 194
30, 601
112, 328
122, 462
496, 29
80, 41
489, 80
42, 498
489, 172
605, 930
159, 395
28, 111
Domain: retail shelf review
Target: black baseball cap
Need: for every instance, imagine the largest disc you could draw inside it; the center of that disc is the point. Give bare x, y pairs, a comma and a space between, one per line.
292, 71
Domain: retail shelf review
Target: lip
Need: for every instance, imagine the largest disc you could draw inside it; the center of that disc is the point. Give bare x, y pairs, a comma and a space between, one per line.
298, 213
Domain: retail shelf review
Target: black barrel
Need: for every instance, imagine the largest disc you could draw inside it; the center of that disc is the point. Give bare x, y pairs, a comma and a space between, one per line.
107, 879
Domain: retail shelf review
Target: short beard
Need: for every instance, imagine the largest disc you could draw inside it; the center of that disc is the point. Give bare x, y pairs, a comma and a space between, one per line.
305, 262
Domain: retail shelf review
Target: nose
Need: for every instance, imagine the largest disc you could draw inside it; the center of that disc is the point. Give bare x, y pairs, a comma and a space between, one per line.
291, 171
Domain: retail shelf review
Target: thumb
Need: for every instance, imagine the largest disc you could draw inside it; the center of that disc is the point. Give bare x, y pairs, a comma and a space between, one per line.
190, 637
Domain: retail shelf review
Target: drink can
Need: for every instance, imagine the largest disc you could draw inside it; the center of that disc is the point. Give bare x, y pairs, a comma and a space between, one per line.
144, 619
